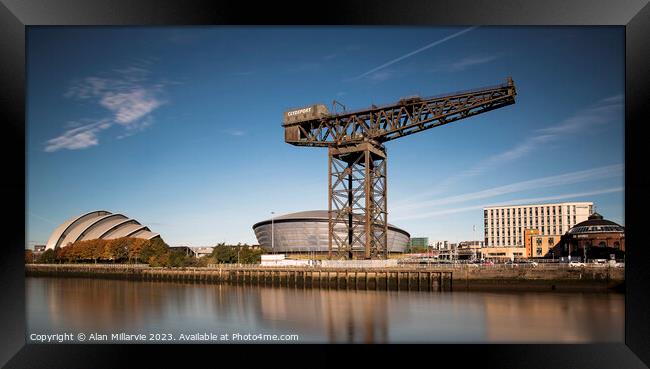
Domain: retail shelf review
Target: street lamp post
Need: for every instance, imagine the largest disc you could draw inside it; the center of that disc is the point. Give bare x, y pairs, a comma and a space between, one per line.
272, 234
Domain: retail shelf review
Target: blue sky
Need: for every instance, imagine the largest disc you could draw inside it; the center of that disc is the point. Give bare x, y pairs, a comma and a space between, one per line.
179, 127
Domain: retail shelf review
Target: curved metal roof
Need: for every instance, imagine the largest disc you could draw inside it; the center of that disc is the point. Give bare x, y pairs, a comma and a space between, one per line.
56, 236
124, 230
98, 224
102, 225
596, 224
313, 215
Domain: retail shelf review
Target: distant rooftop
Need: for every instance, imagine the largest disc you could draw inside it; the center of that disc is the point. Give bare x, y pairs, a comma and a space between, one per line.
540, 204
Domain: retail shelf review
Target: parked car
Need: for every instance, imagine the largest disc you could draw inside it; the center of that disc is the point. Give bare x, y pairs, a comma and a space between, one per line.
488, 262
576, 264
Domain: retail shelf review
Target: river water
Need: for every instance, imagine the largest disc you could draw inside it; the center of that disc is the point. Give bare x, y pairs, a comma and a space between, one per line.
71, 305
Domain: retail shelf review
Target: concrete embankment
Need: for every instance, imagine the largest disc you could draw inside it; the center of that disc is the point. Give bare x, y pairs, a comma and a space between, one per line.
562, 278
401, 278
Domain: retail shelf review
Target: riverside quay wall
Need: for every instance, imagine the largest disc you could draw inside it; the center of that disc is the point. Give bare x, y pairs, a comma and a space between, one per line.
388, 278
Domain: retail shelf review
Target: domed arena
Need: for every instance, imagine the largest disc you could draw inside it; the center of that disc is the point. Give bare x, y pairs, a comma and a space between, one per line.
308, 231
99, 224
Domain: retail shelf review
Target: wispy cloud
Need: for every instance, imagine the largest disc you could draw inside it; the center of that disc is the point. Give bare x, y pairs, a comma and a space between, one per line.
78, 138
465, 63
609, 171
235, 132
529, 200
130, 106
42, 218
415, 52
604, 111
381, 75
127, 96
601, 113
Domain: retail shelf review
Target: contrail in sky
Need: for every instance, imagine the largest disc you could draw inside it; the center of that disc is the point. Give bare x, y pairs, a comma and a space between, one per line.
417, 51
509, 202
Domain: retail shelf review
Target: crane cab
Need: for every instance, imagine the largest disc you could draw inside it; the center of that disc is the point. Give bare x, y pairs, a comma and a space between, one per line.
295, 118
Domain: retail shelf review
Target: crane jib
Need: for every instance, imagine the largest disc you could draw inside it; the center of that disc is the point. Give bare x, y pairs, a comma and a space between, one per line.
314, 126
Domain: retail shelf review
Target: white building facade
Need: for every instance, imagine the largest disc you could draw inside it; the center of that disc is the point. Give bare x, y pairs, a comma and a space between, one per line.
505, 225
439, 245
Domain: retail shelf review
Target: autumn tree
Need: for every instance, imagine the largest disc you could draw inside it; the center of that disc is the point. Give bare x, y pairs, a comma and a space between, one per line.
47, 257
29, 256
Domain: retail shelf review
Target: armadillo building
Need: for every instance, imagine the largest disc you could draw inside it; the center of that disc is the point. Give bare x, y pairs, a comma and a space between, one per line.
99, 224
308, 231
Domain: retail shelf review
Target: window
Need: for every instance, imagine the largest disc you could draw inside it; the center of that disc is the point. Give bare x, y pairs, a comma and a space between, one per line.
538, 251
550, 240
538, 241
617, 244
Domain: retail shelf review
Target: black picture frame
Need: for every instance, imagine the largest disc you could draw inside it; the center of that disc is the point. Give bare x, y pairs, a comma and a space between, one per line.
16, 15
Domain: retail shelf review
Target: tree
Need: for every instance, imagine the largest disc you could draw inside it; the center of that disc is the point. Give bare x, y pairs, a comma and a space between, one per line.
47, 257
248, 255
229, 254
224, 254
134, 250
120, 249
29, 256
155, 247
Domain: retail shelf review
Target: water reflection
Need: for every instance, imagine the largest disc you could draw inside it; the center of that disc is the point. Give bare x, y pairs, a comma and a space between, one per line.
109, 306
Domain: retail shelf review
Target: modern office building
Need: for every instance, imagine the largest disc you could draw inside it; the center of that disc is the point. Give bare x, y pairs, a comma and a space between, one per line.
440, 245
308, 231
99, 224
419, 242
506, 225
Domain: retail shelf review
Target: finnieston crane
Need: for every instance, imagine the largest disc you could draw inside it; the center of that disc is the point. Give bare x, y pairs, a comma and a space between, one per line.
357, 178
